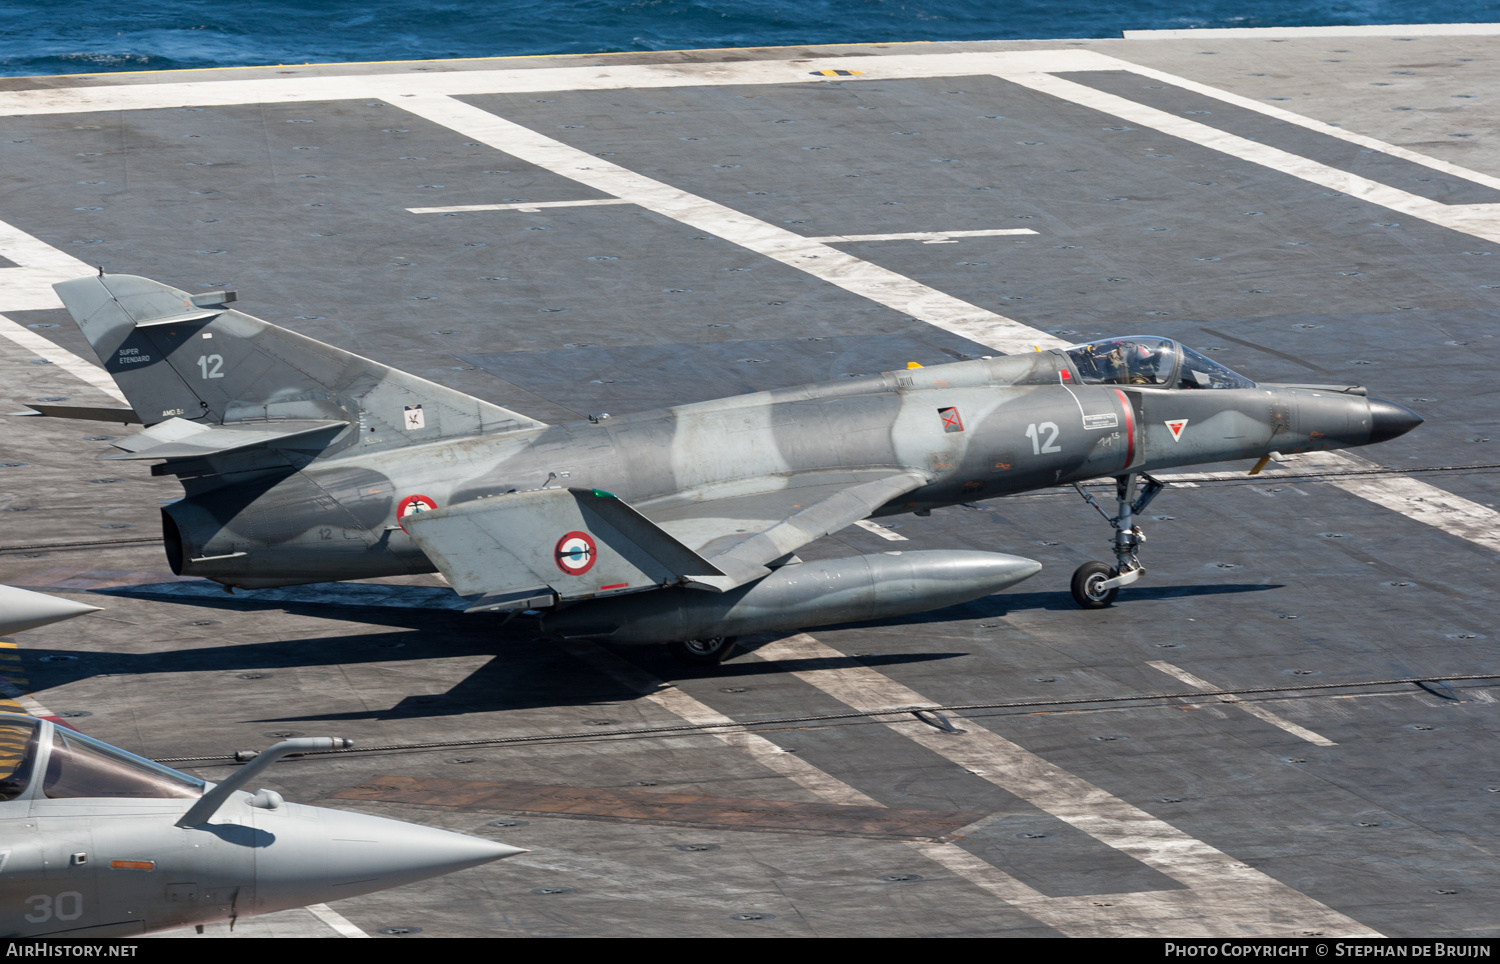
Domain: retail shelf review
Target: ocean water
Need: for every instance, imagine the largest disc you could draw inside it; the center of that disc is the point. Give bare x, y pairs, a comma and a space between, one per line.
56, 37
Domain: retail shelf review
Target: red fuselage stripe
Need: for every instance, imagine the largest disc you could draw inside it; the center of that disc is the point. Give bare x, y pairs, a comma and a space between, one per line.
1129, 429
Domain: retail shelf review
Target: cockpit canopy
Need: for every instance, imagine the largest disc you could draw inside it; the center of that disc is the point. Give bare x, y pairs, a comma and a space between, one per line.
1150, 360
79, 766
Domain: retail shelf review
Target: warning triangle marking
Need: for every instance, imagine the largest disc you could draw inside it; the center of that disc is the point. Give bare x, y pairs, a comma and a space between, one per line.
1175, 426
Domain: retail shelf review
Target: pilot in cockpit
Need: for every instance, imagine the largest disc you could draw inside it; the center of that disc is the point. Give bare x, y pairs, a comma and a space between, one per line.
1150, 360
1140, 360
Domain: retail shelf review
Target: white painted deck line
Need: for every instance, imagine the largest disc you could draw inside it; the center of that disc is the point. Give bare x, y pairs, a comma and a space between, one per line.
1321, 127
335, 920
833, 790
1293, 33
929, 237
880, 531
1300, 732
688, 708
518, 206
612, 77
1412, 498
298, 922
1146, 914
28, 287
36, 259
1479, 220
1225, 895
29, 341
370, 87
854, 275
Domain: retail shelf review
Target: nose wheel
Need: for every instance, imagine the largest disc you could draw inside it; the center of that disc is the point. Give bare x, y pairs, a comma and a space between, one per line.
707, 651
1089, 590
1096, 584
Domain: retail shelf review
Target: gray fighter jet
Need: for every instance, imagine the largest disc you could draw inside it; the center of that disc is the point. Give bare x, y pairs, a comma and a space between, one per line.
305, 463
98, 842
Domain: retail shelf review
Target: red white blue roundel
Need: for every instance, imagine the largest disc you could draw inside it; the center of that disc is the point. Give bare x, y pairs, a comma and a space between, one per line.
413, 504
575, 553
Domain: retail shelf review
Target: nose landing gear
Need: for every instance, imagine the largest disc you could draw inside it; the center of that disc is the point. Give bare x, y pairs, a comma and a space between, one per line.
1096, 584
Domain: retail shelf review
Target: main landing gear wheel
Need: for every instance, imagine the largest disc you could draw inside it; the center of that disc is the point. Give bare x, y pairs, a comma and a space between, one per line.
708, 651
1088, 589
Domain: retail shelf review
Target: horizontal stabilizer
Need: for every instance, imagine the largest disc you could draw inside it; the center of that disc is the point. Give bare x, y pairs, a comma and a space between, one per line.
577, 542
178, 438
125, 416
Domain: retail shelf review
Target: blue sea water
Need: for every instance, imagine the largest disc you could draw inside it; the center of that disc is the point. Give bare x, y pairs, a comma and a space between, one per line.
54, 37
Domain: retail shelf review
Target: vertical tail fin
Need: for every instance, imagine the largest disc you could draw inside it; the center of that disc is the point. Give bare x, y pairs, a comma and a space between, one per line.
192, 357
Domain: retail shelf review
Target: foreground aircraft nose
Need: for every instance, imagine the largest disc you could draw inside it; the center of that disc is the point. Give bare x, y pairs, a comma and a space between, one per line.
319, 855
1389, 420
21, 610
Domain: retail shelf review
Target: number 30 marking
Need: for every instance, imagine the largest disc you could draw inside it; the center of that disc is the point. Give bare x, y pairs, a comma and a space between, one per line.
68, 906
1038, 447
211, 365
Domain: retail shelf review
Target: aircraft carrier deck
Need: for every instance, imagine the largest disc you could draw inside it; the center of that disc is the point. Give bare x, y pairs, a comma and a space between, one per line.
663, 228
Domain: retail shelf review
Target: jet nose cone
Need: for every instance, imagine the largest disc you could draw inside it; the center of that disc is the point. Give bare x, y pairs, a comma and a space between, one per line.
20, 609
429, 852
1389, 420
319, 855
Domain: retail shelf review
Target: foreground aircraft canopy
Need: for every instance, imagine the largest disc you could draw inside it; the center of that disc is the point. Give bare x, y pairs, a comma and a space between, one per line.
98, 842
305, 463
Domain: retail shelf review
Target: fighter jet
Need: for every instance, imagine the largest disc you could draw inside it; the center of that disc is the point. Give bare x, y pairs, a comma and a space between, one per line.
305, 463
98, 842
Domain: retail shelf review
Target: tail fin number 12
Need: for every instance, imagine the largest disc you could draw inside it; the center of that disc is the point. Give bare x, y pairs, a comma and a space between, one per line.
211, 365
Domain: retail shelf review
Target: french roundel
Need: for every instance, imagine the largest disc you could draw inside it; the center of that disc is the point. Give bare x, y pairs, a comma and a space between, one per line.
575, 553
411, 505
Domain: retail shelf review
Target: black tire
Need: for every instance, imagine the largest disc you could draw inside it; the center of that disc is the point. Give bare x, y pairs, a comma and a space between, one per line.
708, 651
1086, 591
